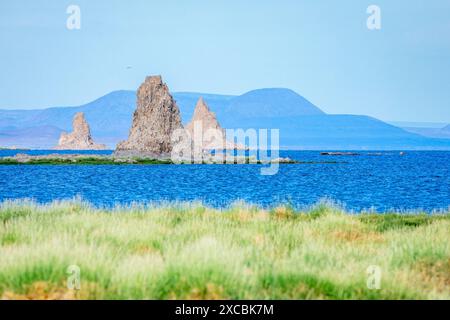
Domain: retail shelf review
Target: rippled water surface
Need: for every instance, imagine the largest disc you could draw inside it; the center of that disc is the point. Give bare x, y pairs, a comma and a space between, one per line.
387, 181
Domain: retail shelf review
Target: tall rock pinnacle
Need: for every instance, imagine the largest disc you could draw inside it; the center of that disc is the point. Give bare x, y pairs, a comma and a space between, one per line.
80, 138
203, 115
156, 118
204, 123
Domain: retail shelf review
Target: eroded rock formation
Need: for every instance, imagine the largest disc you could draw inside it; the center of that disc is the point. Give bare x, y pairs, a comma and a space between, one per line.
156, 118
80, 138
205, 130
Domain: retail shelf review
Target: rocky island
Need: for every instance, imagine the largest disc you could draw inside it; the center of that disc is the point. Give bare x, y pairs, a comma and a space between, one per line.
156, 128
83, 159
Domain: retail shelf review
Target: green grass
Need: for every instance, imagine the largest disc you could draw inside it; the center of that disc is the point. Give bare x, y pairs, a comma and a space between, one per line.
188, 251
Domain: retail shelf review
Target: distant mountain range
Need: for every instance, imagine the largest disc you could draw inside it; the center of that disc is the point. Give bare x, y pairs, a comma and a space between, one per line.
302, 125
440, 133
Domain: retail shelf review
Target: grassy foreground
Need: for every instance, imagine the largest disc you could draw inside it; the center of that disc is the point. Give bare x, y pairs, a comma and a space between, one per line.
188, 251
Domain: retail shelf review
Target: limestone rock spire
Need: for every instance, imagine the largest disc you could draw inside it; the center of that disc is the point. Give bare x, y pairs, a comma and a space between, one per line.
156, 118
205, 123
80, 138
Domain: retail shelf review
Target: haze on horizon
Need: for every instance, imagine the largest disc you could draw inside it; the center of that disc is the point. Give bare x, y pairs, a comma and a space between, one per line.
322, 50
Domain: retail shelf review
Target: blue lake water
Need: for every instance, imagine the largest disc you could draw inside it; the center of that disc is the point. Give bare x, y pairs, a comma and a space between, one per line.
416, 180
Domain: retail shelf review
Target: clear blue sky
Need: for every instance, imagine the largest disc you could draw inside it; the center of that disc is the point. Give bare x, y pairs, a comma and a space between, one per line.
321, 49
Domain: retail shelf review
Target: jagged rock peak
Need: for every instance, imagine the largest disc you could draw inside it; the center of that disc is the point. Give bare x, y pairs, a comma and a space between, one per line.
203, 114
156, 118
205, 120
80, 138
202, 108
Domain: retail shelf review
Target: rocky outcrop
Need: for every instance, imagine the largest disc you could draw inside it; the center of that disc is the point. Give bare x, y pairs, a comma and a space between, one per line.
80, 138
205, 130
156, 118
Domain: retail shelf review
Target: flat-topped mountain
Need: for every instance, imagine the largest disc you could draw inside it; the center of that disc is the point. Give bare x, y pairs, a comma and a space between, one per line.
80, 138
272, 102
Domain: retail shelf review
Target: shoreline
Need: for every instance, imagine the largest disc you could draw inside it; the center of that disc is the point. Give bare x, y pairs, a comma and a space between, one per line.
84, 159
168, 204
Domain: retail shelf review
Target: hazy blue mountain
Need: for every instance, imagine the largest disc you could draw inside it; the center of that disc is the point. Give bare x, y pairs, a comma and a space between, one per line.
11, 119
301, 124
418, 124
32, 137
441, 133
271, 103
336, 132
109, 118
